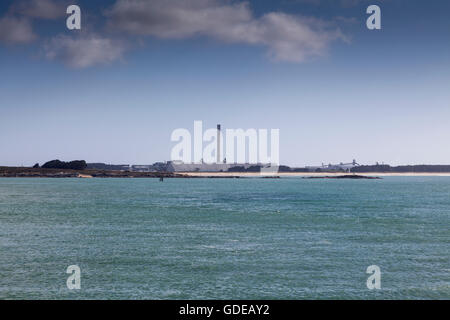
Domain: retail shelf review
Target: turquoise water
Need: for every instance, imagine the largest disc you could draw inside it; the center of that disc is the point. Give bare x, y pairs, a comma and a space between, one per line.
225, 238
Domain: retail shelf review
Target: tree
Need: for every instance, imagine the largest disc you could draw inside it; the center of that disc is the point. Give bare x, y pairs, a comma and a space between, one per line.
73, 165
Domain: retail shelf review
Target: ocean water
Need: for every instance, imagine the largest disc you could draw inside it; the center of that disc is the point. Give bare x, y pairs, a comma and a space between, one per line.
287, 238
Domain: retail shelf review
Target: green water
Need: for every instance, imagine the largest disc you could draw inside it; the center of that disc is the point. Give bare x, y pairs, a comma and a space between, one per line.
225, 238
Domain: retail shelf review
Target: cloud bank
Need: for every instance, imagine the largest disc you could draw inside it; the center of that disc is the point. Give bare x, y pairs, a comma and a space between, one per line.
287, 37
16, 25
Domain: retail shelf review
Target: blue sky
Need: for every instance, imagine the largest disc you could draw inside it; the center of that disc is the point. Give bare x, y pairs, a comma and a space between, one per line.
114, 91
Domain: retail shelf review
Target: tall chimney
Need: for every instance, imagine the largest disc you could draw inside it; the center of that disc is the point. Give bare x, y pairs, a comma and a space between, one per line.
218, 143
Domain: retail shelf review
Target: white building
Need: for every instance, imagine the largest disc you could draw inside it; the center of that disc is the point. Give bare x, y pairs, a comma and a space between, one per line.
335, 167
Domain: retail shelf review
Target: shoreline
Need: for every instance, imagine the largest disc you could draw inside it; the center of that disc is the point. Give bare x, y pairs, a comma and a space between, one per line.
315, 174
19, 172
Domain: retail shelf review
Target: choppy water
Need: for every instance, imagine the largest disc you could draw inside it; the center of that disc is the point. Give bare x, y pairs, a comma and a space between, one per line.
225, 239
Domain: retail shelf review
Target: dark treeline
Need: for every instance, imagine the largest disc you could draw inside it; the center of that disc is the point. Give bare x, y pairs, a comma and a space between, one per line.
242, 169
289, 169
81, 165
73, 165
415, 168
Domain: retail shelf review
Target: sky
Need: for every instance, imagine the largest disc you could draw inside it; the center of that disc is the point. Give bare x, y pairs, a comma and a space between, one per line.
115, 90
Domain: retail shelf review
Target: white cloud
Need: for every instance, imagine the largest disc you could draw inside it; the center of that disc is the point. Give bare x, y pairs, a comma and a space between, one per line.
287, 37
16, 27
41, 9
16, 30
84, 51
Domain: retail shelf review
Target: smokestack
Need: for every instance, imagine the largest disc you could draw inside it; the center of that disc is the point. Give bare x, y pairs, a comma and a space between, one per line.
218, 143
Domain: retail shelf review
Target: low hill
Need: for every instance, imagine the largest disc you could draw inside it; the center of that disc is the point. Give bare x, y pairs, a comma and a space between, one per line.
72, 165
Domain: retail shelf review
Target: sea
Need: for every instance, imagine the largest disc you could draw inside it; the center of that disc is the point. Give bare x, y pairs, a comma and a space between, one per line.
248, 238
